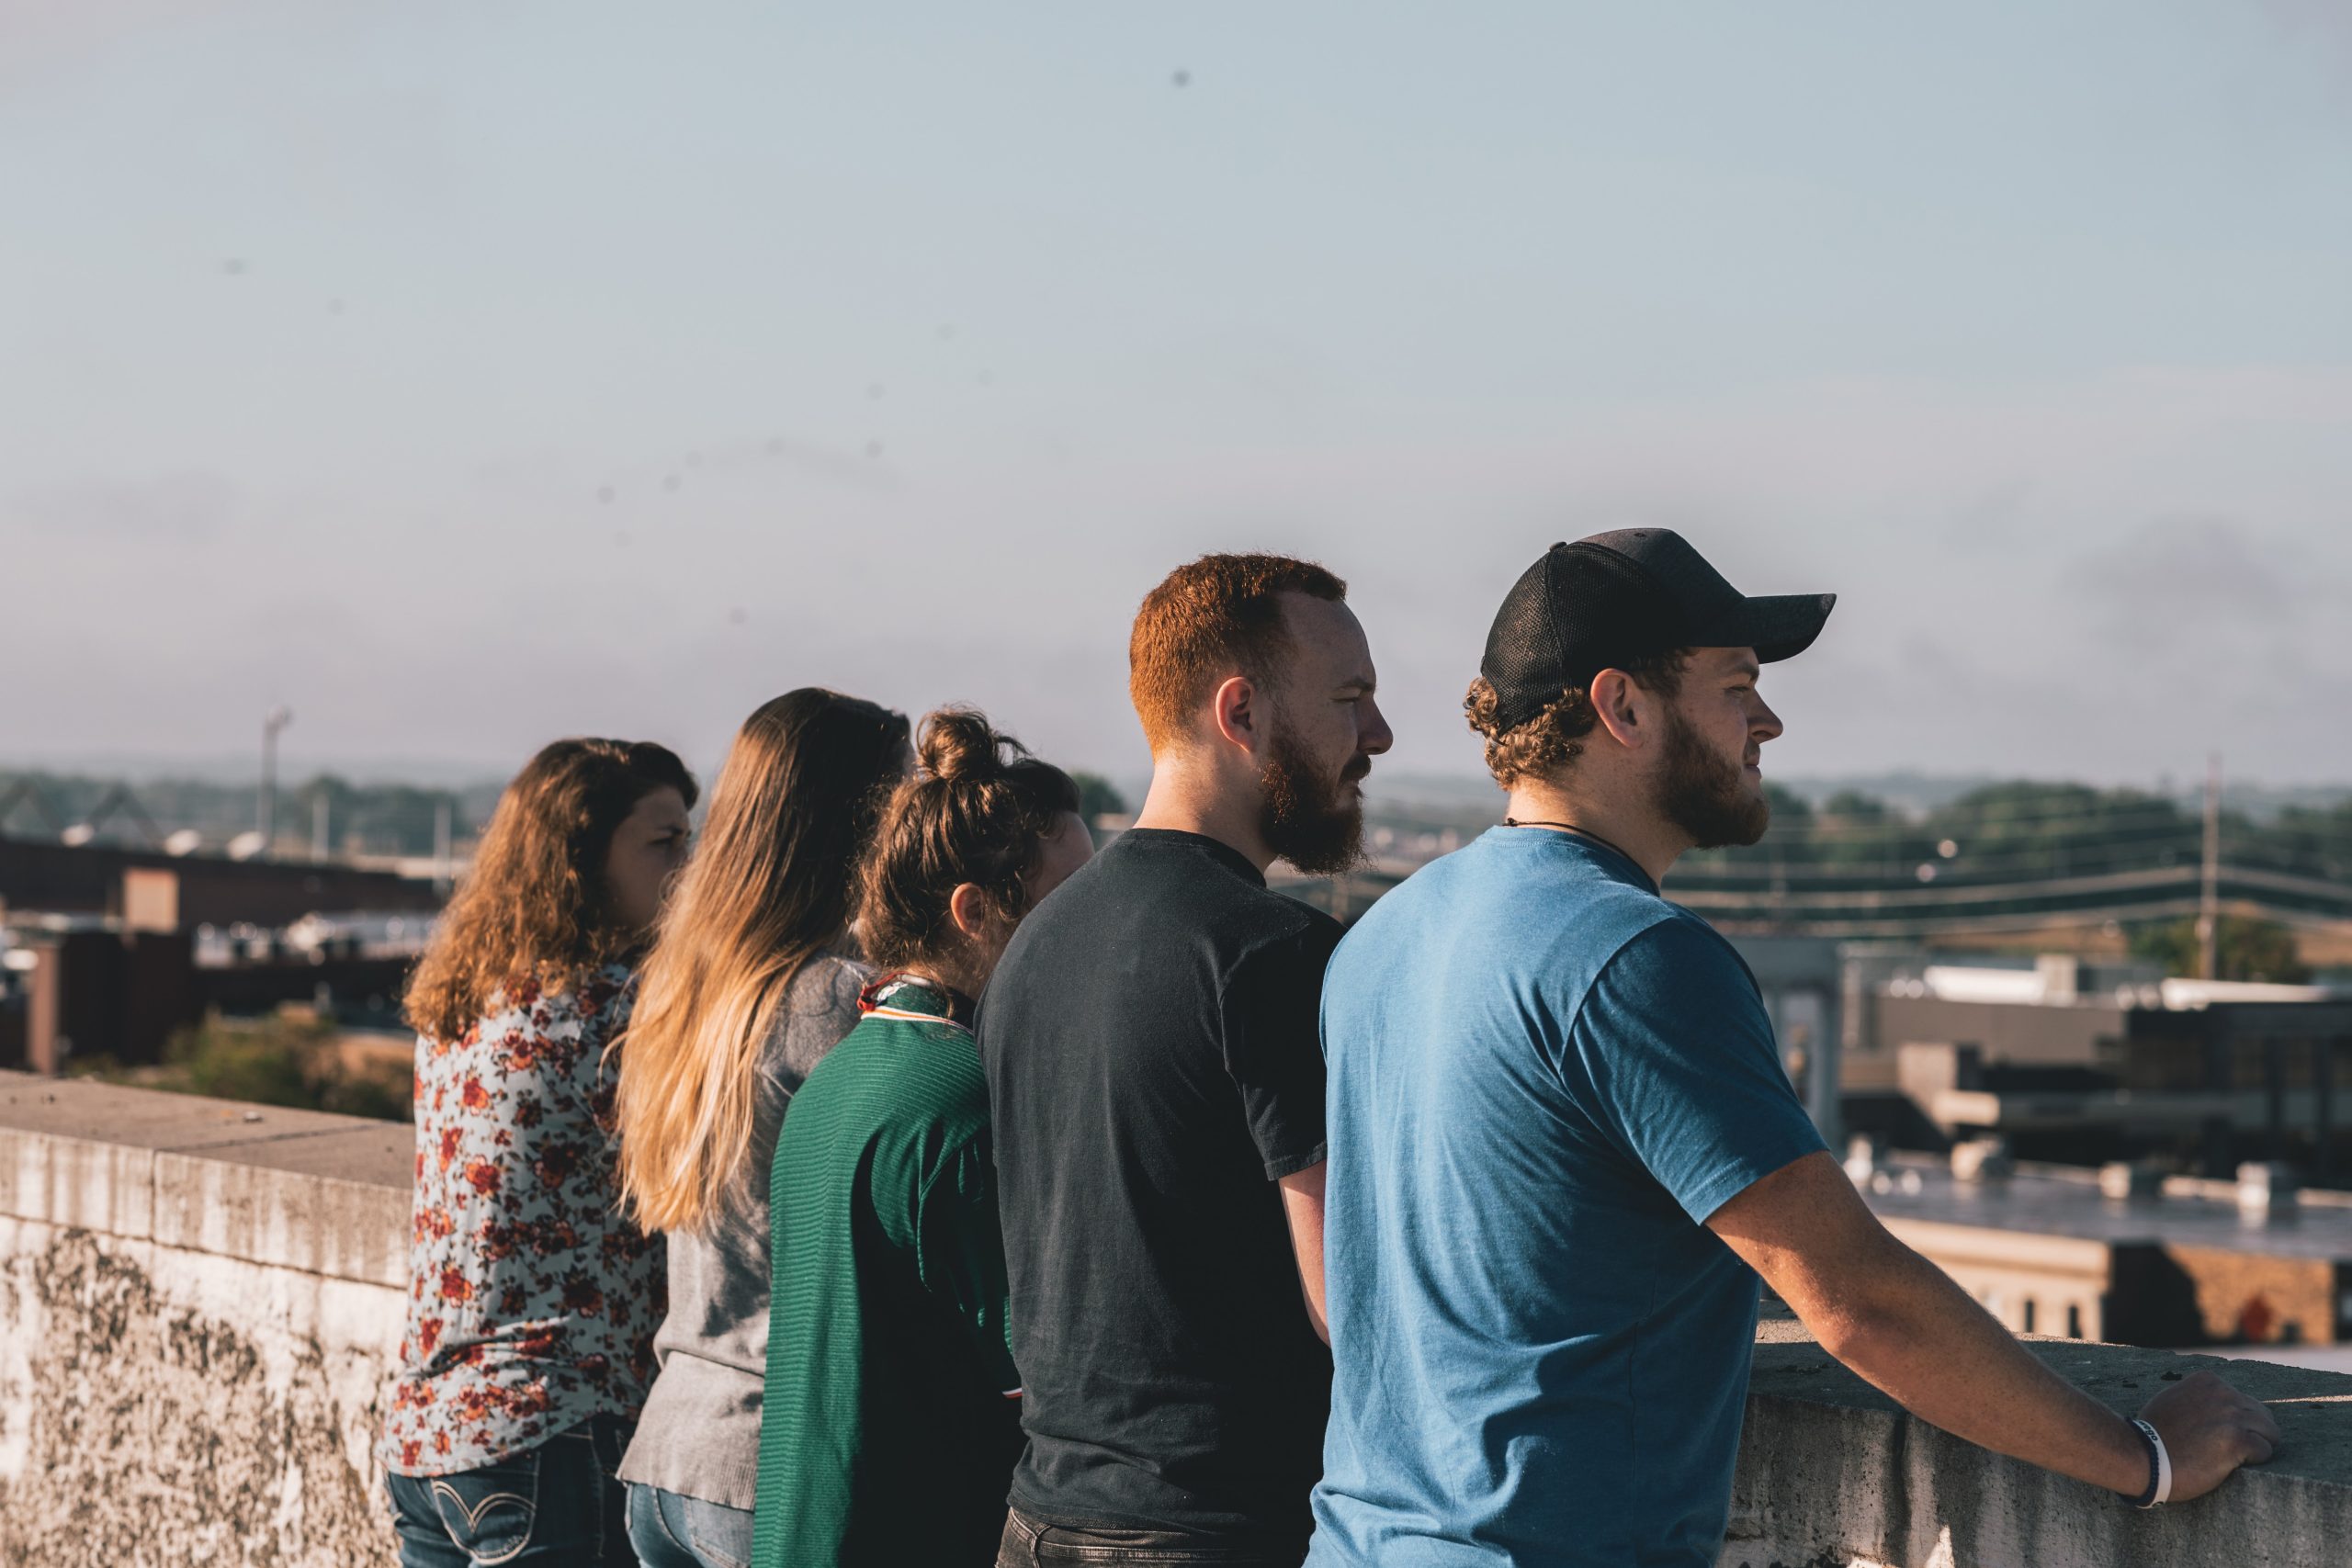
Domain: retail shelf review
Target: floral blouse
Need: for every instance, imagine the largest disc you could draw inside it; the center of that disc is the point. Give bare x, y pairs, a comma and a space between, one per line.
532, 1303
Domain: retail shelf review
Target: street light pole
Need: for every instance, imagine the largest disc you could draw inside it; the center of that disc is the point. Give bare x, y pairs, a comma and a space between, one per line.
2209, 882
272, 722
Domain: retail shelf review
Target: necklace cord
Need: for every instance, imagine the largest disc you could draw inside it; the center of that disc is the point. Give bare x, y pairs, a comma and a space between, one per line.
1571, 828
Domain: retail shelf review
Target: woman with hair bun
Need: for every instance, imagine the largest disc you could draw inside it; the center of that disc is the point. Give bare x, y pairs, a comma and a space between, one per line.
893, 1418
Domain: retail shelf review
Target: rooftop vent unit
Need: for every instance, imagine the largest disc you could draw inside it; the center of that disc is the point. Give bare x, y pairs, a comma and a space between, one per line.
2266, 1186
1864, 1151
1982, 1160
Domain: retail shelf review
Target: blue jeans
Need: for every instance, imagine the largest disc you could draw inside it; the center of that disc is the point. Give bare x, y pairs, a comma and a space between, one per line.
673, 1531
557, 1506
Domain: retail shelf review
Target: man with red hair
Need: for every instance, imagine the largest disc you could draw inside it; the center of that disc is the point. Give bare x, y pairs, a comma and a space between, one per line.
1157, 1089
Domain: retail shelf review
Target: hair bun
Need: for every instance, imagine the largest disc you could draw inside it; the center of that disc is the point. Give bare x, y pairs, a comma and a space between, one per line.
959, 744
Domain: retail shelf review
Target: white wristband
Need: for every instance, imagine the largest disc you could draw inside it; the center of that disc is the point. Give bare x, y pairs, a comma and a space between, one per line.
2163, 1462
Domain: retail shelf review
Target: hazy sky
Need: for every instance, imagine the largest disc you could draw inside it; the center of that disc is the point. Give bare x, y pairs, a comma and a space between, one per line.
463, 375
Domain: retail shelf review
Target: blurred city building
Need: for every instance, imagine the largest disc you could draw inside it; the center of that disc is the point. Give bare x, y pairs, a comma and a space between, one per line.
107, 952
2123, 1254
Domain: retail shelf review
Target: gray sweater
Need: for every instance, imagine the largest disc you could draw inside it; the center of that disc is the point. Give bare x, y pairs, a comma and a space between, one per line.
700, 1433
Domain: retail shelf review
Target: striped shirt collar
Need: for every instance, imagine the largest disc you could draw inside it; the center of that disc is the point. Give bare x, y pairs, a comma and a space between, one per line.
915, 999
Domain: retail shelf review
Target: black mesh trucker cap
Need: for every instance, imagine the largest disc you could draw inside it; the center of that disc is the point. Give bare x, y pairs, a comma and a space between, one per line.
1618, 596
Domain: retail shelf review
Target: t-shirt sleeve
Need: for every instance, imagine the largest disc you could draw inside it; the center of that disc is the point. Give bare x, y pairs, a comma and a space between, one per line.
1685, 1069
1273, 1048
960, 1254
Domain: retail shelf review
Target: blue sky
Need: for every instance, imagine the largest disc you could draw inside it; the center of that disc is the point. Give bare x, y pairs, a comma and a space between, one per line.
465, 375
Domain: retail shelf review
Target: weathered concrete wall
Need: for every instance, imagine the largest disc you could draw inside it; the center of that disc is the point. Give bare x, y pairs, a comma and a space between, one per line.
198, 1304
1832, 1474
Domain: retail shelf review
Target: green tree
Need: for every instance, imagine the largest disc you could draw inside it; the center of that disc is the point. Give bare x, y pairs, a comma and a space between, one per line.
281, 1059
1857, 832
2245, 948
1853, 806
1098, 797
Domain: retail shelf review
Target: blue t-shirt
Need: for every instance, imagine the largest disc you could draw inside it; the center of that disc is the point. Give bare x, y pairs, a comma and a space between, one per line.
1544, 1078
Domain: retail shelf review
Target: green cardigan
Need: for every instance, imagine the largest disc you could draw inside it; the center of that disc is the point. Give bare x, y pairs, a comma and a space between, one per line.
891, 1421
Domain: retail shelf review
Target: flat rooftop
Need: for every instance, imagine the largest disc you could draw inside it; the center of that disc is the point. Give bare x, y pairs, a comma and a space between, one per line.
2064, 1202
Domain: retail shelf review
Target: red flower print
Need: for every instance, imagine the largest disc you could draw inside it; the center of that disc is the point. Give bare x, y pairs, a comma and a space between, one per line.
553, 1236
556, 1163
533, 1301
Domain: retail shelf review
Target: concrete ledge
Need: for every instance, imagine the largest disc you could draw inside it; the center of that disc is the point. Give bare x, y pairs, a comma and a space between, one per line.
302, 1190
1834, 1474
200, 1303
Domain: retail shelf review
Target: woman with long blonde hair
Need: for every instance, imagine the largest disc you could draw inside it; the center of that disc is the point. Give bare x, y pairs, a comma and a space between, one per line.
753, 977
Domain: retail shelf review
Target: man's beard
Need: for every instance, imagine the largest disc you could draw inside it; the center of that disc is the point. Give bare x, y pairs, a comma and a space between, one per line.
1706, 793
1316, 826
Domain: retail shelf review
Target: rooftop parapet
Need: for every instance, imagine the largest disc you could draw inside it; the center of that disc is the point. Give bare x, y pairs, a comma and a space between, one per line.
1834, 1474
199, 1303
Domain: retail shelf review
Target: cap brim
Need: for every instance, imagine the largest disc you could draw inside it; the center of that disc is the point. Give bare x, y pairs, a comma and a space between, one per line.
1781, 626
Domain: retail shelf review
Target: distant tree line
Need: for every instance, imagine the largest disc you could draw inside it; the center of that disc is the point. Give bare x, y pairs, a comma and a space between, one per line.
369, 818
2019, 832
2014, 830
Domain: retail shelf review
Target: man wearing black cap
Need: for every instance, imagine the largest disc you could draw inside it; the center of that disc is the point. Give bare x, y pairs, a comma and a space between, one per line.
1562, 1148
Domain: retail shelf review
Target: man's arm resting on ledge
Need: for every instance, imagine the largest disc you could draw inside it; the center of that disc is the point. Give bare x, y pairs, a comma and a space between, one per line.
1903, 1324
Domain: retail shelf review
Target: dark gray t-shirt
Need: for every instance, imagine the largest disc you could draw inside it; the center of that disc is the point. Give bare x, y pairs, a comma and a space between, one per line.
700, 1434
1150, 1046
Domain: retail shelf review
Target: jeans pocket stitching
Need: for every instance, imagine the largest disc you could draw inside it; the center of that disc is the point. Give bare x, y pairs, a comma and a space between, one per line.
711, 1556
473, 1515
652, 1496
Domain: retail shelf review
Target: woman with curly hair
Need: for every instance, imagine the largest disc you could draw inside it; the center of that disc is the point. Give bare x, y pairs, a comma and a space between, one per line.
532, 1303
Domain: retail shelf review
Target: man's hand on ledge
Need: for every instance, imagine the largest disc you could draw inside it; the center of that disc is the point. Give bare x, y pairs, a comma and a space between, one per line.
2209, 1430
1902, 1324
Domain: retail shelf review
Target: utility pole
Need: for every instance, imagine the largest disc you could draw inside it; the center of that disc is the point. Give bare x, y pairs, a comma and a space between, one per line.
319, 820
2209, 896
272, 722
441, 869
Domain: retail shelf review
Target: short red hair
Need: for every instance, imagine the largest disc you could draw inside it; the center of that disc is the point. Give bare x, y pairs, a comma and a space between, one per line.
1210, 619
